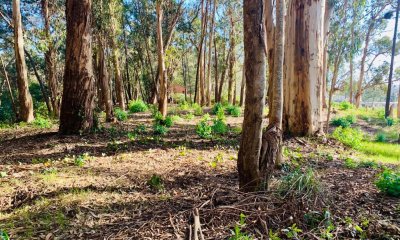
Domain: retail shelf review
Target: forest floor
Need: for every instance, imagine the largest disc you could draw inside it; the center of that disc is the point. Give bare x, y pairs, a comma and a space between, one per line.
107, 185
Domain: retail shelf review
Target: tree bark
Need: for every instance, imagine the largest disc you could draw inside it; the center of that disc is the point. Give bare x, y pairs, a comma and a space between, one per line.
210, 48
254, 48
303, 68
232, 58
24, 96
104, 81
270, 37
50, 60
362, 66
78, 95
389, 91
163, 97
242, 87
272, 136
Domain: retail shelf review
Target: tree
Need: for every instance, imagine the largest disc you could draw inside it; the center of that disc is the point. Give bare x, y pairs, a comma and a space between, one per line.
78, 95
25, 98
303, 71
272, 135
115, 26
50, 57
255, 65
163, 96
389, 91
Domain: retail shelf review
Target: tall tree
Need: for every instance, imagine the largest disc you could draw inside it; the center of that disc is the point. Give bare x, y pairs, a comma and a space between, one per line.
163, 96
50, 57
25, 98
78, 95
232, 56
303, 71
272, 135
255, 65
389, 91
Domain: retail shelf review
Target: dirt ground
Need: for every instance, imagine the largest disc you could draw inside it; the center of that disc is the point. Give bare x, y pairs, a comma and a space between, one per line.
46, 195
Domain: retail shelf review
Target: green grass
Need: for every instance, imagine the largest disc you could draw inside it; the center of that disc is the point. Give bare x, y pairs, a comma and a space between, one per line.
385, 150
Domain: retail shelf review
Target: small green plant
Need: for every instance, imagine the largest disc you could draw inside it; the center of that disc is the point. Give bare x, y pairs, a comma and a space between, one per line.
4, 235
390, 121
273, 236
81, 160
188, 116
140, 129
349, 136
388, 182
381, 137
120, 114
160, 130
350, 163
234, 111
216, 108
219, 127
137, 106
218, 159
292, 232
41, 122
198, 110
345, 106
184, 106
344, 121
3, 174
156, 183
203, 129
237, 233
300, 184
368, 164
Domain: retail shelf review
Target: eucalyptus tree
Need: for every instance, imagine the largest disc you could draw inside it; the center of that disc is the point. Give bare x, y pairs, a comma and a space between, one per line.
25, 98
78, 93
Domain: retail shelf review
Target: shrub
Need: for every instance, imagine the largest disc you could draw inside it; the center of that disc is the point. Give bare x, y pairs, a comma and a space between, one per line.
80, 160
203, 129
234, 111
344, 121
120, 114
350, 163
300, 184
160, 120
345, 105
381, 137
160, 129
189, 116
137, 106
41, 122
349, 136
198, 110
390, 121
219, 127
237, 233
184, 106
217, 107
351, 119
340, 122
388, 182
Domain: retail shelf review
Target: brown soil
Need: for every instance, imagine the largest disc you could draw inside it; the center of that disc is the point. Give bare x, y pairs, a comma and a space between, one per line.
46, 196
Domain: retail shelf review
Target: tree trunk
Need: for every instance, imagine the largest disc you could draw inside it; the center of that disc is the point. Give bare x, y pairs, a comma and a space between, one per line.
389, 91
163, 97
328, 11
50, 60
232, 58
362, 67
216, 76
351, 87
242, 87
398, 108
25, 98
13, 104
272, 136
303, 69
78, 95
104, 81
210, 48
270, 37
254, 49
